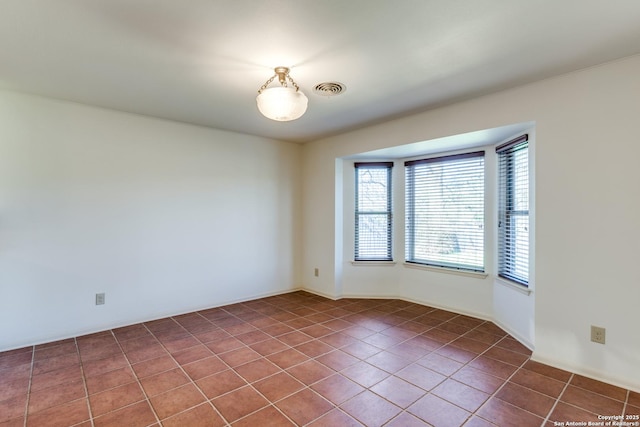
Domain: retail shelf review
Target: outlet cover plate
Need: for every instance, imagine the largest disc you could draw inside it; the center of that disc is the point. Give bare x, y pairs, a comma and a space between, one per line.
598, 334
100, 299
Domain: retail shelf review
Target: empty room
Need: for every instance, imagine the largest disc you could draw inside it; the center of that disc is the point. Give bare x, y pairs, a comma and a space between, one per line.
425, 232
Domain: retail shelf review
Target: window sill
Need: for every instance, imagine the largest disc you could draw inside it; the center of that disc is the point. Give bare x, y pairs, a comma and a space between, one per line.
373, 263
513, 285
473, 274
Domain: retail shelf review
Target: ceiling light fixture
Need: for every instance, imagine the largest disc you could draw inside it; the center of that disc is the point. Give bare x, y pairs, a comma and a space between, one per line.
281, 103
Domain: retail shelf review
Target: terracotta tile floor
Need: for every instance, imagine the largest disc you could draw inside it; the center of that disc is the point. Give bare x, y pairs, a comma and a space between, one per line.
299, 359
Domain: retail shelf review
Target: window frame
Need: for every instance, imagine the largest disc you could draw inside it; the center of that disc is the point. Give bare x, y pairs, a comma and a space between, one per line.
388, 212
410, 205
505, 211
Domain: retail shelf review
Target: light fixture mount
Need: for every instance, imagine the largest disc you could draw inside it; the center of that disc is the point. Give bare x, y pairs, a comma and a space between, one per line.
283, 73
281, 103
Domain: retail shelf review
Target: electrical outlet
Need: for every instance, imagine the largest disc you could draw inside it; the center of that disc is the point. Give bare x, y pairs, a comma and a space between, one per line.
100, 299
316, 272
598, 334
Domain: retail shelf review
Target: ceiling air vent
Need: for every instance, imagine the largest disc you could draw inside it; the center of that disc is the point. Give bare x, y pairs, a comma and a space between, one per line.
329, 88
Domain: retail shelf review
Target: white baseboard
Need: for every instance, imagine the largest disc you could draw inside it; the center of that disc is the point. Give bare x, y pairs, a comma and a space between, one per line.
535, 356
434, 304
619, 382
517, 336
103, 328
320, 294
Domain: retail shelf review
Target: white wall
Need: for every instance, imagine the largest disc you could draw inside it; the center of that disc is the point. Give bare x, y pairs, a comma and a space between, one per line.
587, 212
163, 217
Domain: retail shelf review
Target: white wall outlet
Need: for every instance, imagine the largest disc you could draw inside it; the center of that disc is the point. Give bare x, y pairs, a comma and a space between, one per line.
316, 272
100, 299
598, 334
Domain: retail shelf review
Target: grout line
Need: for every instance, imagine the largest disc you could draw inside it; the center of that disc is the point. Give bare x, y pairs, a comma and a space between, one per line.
271, 403
495, 393
626, 402
26, 405
492, 395
244, 345
207, 400
384, 315
386, 349
558, 399
314, 359
305, 386
84, 382
411, 362
463, 364
144, 392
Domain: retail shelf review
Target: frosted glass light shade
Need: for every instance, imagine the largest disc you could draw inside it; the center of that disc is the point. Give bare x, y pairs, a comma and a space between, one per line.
282, 103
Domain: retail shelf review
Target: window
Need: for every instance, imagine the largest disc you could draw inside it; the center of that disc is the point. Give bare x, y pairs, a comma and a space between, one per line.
373, 212
445, 211
513, 210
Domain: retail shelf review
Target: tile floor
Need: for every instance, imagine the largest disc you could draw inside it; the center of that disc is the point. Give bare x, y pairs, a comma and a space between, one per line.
299, 359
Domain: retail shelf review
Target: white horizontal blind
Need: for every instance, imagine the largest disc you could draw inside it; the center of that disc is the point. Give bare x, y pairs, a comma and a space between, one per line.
513, 210
445, 211
373, 219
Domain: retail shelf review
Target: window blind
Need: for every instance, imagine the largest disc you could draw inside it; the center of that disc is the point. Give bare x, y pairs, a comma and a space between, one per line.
513, 210
373, 217
445, 211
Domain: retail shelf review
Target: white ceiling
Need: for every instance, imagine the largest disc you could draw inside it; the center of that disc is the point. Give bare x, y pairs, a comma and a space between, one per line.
202, 61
